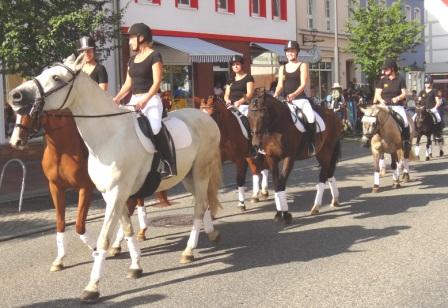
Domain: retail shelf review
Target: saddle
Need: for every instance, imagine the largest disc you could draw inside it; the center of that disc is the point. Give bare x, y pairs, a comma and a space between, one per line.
398, 118
301, 122
243, 119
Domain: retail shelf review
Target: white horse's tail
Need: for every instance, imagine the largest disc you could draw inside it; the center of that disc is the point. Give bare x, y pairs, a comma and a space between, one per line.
215, 183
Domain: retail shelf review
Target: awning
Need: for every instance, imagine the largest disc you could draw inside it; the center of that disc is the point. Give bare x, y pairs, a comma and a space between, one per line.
311, 56
197, 50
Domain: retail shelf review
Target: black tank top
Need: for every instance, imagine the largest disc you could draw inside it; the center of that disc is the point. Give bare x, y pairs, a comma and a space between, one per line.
141, 72
239, 88
292, 82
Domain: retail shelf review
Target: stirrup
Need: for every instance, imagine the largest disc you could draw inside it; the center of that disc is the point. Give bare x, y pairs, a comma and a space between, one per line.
311, 149
165, 169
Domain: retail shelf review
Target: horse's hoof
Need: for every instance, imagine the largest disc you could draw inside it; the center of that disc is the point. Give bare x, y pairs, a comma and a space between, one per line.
278, 217
314, 212
134, 273
185, 259
264, 195
114, 251
56, 267
214, 236
89, 296
287, 217
375, 188
254, 199
405, 178
383, 172
335, 203
396, 185
141, 237
427, 158
241, 206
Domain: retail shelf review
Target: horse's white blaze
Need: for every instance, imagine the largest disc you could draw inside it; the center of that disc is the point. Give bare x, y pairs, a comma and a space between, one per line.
15, 136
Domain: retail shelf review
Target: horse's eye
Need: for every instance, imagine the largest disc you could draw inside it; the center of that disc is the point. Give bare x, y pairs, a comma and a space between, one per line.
56, 78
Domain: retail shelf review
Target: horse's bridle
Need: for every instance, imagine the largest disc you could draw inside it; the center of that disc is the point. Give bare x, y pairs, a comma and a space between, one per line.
375, 124
39, 102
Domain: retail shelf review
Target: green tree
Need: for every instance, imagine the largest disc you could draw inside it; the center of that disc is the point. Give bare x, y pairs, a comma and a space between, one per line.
37, 33
377, 32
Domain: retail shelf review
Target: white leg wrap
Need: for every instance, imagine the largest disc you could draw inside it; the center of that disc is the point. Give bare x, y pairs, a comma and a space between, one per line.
277, 202
208, 223
405, 165
376, 178
141, 212
119, 238
99, 257
241, 191
194, 234
417, 150
264, 179
256, 185
134, 252
333, 188
396, 174
320, 187
60, 243
382, 164
429, 150
88, 239
283, 203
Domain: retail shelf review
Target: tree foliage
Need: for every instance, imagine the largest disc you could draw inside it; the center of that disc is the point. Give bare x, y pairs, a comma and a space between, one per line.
37, 33
377, 32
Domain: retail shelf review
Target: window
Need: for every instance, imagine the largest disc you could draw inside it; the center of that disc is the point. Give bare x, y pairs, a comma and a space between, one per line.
187, 4
310, 14
156, 2
408, 13
327, 15
257, 8
279, 9
227, 6
417, 15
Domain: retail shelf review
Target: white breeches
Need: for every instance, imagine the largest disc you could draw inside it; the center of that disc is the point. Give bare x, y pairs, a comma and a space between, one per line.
244, 109
436, 114
153, 111
400, 110
305, 106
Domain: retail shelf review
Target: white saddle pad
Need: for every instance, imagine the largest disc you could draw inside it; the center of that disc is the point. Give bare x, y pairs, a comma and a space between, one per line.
320, 127
177, 128
243, 129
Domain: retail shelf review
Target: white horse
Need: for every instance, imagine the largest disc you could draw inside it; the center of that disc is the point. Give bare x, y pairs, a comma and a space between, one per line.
119, 164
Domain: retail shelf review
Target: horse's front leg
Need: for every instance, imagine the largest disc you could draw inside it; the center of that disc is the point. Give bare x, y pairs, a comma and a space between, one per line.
376, 172
241, 169
280, 177
428, 147
395, 165
417, 145
115, 207
84, 199
58, 197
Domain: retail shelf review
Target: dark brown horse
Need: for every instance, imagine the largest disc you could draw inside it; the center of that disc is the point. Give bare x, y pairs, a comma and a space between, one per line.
425, 126
274, 133
64, 163
236, 147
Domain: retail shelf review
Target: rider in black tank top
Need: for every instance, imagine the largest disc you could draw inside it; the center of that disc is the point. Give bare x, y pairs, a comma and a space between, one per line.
292, 82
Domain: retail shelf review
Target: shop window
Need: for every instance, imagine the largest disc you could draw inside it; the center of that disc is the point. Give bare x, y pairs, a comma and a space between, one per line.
193, 4
225, 6
257, 8
279, 9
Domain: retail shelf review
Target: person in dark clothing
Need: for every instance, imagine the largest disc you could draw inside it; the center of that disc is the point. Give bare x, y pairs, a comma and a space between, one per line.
391, 91
91, 67
428, 98
240, 89
293, 78
145, 70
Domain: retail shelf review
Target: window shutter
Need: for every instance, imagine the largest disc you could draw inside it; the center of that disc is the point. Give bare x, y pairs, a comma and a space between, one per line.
194, 4
231, 6
216, 5
283, 10
263, 8
176, 3
250, 7
156, 1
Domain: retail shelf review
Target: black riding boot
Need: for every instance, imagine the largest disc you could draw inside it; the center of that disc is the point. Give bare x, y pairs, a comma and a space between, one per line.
310, 136
406, 135
163, 145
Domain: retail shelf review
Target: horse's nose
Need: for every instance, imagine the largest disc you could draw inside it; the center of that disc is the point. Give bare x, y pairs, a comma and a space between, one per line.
15, 96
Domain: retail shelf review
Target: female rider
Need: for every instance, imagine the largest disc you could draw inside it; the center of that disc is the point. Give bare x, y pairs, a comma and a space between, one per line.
240, 88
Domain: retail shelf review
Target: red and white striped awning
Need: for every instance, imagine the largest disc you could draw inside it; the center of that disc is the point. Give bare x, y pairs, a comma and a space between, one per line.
439, 9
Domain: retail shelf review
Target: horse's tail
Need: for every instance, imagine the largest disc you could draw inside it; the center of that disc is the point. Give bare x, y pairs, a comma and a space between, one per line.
214, 183
336, 155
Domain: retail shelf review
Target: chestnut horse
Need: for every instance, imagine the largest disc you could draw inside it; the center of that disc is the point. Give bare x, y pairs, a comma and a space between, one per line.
276, 136
425, 126
235, 147
64, 163
382, 130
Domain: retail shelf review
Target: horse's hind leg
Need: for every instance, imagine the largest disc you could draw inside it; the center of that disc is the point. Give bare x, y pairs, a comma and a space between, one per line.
135, 270
84, 199
417, 146
58, 196
141, 213
376, 173
396, 170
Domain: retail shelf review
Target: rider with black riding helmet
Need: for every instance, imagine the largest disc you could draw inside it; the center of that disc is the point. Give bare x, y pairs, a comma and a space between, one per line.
95, 70
428, 98
391, 91
293, 78
240, 89
145, 70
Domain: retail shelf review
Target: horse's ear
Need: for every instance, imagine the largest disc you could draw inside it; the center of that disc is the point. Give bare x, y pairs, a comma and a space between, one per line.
69, 59
363, 110
79, 62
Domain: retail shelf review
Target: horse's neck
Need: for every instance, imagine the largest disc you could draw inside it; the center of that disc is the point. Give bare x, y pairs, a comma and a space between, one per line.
278, 115
63, 134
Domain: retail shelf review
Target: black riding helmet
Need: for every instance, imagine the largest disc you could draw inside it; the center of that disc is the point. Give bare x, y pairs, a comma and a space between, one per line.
237, 58
428, 79
141, 29
84, 43
292, 45
392, 64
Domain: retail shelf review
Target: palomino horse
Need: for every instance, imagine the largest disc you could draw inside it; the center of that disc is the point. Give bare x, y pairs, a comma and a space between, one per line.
425, 126
384, 134
236, 148
274, 132
118, 163
64, 163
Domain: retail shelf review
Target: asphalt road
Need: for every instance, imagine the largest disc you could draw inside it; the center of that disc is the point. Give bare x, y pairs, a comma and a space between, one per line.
376, 250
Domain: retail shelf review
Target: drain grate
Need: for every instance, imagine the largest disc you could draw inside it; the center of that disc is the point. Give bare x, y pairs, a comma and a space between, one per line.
172, 220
